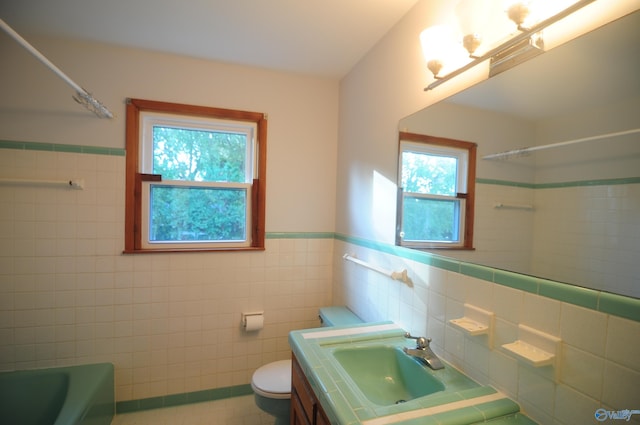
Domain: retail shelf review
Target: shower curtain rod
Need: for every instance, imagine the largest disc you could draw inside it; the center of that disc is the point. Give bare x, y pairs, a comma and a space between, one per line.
83, 97
519, 152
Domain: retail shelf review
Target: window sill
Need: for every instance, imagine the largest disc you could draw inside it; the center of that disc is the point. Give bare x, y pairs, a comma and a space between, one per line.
176, 250
445, 248
439, 248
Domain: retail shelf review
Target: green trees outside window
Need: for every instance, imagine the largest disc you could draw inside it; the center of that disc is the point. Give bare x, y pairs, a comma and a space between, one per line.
429, 219
199, 155
197, 214
436, 192
180, 213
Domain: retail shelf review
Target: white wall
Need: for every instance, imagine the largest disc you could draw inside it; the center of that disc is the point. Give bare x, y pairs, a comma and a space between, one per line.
384, 87
37, 107
169, 322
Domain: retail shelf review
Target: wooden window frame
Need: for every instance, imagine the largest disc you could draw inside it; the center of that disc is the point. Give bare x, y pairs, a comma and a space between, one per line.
134, 178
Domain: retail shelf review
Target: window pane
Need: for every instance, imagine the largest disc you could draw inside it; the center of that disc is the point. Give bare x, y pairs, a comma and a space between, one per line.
199, 155
197, 214
429, 174
432, 220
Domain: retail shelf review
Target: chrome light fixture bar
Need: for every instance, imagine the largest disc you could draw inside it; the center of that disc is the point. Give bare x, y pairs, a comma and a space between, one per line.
520, 44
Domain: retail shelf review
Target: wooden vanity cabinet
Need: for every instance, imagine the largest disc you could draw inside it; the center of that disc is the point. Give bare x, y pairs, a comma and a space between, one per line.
305, 407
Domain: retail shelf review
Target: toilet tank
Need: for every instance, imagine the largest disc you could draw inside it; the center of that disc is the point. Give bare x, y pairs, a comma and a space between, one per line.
337, 316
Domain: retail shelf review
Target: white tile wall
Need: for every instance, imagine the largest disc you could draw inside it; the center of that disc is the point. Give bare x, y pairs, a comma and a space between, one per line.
600, 361
573, 407
553, 242
505, 239
605, 256
584, 329
169, 322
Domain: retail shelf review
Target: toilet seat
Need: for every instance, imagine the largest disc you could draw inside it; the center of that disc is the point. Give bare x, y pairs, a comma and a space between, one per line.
273, 380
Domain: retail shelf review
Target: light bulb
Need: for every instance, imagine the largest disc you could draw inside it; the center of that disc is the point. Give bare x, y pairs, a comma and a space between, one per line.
518, 11
436, 43
473, 17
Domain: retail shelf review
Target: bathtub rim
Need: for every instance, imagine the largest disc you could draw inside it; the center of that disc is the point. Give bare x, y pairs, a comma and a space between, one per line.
80, 390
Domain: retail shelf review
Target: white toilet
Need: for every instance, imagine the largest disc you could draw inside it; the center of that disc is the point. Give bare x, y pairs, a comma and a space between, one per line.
271, 383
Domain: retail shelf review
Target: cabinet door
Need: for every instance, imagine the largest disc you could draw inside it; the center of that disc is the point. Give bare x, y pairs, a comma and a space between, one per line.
305, 408
298, 417
321, 418
300, 385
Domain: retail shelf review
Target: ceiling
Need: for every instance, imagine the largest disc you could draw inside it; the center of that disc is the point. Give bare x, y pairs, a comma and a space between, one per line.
315, 37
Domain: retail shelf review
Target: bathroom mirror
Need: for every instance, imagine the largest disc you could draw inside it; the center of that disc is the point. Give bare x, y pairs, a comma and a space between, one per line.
570, 212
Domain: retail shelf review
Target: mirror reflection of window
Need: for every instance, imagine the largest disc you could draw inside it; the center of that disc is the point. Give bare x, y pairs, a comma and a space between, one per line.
435, 201
585, 195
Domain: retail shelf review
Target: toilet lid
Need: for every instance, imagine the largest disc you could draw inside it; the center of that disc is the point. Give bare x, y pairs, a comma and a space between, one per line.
273, 380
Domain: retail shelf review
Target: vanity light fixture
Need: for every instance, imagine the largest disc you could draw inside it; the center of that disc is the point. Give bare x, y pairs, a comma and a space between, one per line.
442, 51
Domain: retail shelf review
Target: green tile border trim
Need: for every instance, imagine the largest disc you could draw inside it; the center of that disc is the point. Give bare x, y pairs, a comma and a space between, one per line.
619, 305
558, 185
171, 400
475, 270
577, 295
505, 183
517, 281
56, 147
605, 302
600, 182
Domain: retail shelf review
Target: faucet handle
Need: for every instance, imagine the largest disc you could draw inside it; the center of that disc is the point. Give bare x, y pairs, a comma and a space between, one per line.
421, 342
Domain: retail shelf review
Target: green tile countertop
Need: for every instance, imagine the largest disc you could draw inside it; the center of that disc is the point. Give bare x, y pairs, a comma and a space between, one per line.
463, 401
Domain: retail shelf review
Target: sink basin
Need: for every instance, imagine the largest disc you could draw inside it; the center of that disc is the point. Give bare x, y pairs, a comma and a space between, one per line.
386, 375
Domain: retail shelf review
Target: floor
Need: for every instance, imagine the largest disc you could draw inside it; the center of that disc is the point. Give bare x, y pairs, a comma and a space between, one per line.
231, 411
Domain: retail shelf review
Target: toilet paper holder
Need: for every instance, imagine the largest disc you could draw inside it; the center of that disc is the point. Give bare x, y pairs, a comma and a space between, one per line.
244, 317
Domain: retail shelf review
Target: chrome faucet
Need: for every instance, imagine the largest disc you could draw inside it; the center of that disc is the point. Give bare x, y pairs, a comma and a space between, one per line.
423, 352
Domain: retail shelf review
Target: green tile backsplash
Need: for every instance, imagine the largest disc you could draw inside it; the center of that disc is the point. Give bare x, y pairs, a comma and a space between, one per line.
605, 302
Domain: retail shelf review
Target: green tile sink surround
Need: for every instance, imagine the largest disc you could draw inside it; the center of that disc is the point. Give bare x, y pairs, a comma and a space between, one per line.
335, 361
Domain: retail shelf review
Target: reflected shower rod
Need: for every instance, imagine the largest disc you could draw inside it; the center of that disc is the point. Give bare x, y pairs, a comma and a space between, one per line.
524, 151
